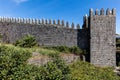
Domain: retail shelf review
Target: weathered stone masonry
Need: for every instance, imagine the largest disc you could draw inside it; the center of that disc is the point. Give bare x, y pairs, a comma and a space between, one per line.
102, 37
97, 34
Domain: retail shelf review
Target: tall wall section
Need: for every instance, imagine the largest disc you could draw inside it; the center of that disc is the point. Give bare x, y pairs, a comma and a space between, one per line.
102, 37
47, 33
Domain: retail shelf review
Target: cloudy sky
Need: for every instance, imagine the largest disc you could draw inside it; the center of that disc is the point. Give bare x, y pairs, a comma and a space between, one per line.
68, 10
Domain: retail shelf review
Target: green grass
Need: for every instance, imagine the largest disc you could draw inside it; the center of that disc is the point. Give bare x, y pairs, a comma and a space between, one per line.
33, 49
50, 50
42, 51
64, 49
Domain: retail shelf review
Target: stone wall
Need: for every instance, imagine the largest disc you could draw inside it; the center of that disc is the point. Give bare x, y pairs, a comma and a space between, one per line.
46, 34
102, 37
38, 59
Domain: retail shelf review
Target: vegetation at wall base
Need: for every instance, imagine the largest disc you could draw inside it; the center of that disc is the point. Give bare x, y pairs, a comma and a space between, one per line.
27, 41
13, 66
85, 71
64, 49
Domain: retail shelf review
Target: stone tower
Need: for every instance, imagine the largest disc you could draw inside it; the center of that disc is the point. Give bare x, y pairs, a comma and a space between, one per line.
102, 37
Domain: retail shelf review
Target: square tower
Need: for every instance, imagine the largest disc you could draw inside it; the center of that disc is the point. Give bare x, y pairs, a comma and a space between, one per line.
102, 37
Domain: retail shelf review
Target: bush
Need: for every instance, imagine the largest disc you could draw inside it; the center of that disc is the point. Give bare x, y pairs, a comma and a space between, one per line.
85, 71
65, 69
76, 50
10, 59
65, 49
27, 41
59, 48
13, 66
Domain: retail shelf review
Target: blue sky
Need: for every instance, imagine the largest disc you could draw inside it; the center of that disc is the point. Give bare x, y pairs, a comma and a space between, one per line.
67, 10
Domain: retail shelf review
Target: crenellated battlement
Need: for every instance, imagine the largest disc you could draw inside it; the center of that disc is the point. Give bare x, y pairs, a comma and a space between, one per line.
57, 23
85, 22
97, 15
102, 12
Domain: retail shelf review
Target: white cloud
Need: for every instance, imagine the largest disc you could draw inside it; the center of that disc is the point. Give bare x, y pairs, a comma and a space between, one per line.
19, 1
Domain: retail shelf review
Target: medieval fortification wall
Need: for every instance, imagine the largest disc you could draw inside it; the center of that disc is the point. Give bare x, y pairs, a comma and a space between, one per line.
97, 34
46, 32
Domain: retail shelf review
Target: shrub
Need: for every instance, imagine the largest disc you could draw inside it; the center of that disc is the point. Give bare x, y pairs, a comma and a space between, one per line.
59, 48
10, 59
85, 71
13, 66
65, 49
76, 50
27, 41
61, 65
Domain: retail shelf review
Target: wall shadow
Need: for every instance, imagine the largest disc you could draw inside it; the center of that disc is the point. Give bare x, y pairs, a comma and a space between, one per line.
83, 42
118, 58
